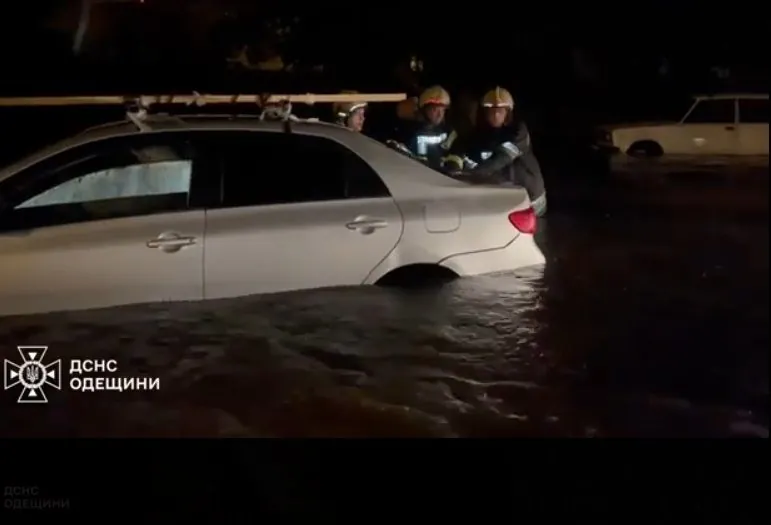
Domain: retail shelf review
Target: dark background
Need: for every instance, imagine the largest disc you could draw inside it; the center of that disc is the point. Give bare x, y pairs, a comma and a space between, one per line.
242, 481
565, 51
569, 66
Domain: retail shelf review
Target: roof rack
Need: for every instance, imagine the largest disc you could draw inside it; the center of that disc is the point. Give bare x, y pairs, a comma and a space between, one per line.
273, 106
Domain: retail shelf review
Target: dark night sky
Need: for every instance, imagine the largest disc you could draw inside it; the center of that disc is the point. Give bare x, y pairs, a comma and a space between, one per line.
500, 43
530, 48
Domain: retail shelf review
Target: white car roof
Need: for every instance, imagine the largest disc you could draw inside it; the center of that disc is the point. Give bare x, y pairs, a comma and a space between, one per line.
405, 175
731, 96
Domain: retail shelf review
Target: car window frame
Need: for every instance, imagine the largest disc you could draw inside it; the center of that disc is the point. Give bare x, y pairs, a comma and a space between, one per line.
700, 101
221, 135
200, 178
739, 110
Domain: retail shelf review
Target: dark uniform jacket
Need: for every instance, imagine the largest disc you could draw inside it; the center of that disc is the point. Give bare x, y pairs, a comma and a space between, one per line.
428, 142
503, 155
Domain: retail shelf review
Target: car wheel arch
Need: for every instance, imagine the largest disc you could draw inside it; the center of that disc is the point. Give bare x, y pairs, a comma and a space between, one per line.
645, 148
417, 274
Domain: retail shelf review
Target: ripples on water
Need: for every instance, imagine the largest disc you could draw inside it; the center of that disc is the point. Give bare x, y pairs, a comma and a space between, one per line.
641, 326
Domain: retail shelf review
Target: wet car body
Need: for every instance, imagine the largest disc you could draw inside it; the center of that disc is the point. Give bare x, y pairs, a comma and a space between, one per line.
244, 207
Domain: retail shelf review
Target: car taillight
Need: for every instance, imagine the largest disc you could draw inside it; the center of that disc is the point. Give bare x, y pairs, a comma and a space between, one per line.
524, 220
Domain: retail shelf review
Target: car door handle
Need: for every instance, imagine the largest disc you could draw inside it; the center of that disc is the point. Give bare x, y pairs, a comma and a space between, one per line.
366, 224
170, 242
730, 128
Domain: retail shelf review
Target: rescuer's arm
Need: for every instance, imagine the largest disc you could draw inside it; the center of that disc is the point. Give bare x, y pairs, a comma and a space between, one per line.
459, 154
403, 139
506, 152
400, 147
448, 143
452, 161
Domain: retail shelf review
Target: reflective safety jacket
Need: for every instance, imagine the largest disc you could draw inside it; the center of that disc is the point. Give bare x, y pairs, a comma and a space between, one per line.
428, 142
503, 154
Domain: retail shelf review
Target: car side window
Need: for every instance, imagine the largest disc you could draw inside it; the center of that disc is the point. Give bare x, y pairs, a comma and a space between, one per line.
713, 112
137, 180
261, 168
754, 111
106, 179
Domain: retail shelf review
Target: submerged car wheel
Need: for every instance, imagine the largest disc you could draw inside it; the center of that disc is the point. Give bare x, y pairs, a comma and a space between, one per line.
645, 149
418, 276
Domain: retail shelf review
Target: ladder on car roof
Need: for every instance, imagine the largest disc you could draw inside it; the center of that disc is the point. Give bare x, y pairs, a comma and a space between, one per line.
272, 106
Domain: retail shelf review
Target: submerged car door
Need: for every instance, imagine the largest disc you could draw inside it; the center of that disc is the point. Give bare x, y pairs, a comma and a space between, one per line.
297, 211
711, 128
753, 126
104, 223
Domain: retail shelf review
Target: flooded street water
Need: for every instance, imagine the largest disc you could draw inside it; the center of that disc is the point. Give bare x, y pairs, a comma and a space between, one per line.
650, 319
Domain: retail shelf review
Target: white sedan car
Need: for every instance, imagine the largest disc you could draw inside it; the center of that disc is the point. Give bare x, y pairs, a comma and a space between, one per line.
203, 207
720, 125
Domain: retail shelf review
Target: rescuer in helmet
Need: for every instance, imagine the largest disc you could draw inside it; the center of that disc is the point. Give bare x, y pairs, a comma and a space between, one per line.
428, 137
350, 114
500, 149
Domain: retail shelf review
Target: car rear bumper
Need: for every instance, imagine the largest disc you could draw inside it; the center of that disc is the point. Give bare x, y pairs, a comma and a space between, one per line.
520, 253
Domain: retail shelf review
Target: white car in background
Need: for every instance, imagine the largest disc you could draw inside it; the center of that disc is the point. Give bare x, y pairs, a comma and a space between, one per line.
717, 125
204, 207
